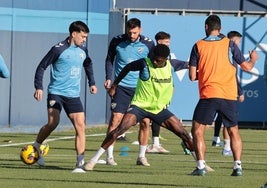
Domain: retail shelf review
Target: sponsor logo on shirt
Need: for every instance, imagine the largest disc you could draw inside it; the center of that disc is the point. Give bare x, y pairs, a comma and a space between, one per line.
74, 72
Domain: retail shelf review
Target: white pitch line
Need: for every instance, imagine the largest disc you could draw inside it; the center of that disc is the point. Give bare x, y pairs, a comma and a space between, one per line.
50, 140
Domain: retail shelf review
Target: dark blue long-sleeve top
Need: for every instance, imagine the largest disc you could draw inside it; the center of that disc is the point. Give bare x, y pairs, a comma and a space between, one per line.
66, 62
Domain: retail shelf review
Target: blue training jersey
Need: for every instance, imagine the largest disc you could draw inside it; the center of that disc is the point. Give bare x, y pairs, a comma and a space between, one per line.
121, 52
66, 62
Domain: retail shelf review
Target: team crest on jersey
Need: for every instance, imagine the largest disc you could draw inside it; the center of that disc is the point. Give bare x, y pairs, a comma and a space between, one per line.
81, 55
113, 105
140, 50
52, 102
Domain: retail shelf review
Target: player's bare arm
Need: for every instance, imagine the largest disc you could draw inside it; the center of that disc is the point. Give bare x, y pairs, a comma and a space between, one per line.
248, 65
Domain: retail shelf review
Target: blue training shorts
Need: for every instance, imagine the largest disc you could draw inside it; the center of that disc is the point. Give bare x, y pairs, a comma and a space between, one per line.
140, 114
207, 108
70, 105
122, 98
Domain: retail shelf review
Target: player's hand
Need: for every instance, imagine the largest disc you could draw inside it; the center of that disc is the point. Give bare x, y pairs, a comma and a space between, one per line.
112, 90
93, 89
38, 94
253, 55
107, 84
241, 98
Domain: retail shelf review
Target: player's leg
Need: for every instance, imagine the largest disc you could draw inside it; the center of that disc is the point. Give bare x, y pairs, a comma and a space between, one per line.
143, 137
53, 111
53, 121
217, 127
45, 131
236, 145
119, 105
174, 125
114, 121
169, 121
227, 151
74, 109
128, 120
204, 114
78, 121
155, 134
156, 146
230, 112
198, 131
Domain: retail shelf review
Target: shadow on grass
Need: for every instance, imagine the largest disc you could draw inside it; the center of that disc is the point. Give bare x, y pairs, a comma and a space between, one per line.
108, 183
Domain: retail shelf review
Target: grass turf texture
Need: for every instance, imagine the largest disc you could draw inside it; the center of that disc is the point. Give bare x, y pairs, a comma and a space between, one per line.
166, 170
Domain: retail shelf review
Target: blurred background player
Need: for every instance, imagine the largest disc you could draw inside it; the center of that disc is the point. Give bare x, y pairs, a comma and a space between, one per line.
236, 37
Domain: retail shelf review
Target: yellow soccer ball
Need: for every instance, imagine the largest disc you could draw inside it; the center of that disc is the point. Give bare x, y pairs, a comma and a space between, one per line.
29, 154
44, 148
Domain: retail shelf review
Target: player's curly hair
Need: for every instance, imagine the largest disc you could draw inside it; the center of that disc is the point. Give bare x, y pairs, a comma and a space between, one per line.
161, 50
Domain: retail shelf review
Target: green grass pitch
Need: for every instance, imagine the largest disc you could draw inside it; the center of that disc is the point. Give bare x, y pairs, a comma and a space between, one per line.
166, 170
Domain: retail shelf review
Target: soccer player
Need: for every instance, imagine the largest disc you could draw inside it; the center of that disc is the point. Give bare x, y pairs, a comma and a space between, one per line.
162, 37
152, 96
210, 64
4, 72
122, 50
66, 60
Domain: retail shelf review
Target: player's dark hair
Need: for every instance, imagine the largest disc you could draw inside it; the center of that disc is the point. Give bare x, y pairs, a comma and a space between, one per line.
232, 34
133, 23
78, 26
213, 22
161, 50
162, 35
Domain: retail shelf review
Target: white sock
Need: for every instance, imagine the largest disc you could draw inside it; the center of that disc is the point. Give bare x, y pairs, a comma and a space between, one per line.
201, 164
98, 154
155, 141
142, 151
216, 139
122, 135
237, 164
110, 152
190, 134
227, 145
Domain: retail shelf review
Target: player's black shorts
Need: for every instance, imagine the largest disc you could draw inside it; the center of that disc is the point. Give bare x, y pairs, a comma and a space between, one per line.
206, 109
70, 105
157, 118
122, 98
